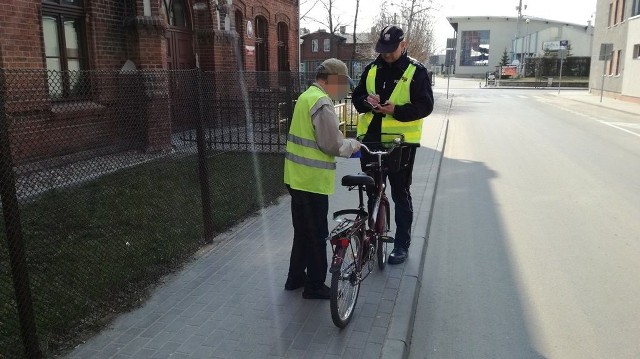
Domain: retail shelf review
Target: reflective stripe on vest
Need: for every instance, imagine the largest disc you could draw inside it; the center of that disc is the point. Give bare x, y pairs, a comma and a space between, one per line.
310, 163
401, 95
306, 167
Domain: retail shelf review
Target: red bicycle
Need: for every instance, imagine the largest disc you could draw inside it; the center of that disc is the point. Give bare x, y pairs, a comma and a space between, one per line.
360, 240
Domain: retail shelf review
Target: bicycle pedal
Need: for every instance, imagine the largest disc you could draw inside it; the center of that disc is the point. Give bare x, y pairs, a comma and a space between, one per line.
386, 239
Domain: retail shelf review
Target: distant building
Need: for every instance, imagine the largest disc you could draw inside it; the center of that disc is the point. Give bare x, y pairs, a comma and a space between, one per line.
482, 40
618, 25
321, 45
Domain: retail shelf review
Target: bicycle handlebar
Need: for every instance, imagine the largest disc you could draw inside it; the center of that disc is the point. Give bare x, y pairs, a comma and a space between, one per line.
371, 152
397, 143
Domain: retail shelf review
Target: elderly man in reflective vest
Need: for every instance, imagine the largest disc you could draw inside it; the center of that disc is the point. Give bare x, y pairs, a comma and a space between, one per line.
309, 172
394, 96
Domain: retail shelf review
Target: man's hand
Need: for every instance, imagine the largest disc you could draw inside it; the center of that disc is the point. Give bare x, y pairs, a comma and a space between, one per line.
355, 144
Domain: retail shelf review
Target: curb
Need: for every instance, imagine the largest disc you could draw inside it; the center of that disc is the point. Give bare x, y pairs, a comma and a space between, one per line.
600, 104
398, 339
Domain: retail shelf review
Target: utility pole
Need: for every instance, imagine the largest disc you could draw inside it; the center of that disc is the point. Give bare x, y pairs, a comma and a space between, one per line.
526, 51
515, 42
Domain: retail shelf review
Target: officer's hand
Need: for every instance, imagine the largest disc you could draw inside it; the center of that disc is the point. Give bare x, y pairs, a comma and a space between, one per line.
373, 100
386, 108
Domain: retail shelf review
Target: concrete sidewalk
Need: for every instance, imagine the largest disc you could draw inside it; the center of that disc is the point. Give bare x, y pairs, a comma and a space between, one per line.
584, 96
230, 301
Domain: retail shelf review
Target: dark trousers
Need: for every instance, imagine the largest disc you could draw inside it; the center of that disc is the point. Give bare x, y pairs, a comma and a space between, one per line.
310, 230
400, 183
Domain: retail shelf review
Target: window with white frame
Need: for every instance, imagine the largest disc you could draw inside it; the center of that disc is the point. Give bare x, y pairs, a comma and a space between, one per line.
64, 44
636, 51
314, 45
327, 45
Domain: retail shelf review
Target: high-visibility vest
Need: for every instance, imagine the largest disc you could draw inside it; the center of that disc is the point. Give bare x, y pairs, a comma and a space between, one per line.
401, 95
306, 167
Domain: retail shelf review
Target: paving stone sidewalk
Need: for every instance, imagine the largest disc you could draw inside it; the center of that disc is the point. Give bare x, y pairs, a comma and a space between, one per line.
230, 301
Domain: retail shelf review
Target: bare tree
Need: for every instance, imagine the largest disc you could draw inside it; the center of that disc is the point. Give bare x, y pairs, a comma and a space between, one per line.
416, 17
330, 18
306, 7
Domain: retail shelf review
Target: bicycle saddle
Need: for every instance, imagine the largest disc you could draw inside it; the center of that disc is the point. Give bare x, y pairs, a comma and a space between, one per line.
360, 179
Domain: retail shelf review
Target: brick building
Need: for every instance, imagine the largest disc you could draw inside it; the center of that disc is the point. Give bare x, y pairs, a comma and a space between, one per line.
320, 45
154, 34
75, 51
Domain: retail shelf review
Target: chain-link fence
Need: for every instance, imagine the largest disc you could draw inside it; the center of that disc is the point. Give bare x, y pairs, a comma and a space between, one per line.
110, 180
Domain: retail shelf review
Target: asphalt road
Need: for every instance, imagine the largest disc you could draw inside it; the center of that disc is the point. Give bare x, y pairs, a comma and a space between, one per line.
534, 248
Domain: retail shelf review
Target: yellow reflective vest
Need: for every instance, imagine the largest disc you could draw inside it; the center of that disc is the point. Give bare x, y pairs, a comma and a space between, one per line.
306, 167
401, 95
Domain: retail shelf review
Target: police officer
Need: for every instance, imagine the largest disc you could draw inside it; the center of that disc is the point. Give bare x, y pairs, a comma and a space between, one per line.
309, 173
394, 95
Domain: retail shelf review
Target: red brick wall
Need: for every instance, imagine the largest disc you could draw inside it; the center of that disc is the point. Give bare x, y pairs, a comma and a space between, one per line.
111, 40
20, 34
216, 46
22, 42
117, 31
107, 35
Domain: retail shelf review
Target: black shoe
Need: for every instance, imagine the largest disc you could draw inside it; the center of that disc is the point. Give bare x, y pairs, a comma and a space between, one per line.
397, 256
323, 292
292, 284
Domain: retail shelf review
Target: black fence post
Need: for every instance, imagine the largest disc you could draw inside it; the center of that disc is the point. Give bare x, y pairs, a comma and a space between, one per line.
15, 241
207, 212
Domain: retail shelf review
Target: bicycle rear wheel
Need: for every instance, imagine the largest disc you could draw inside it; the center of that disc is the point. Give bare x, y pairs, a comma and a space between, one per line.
345, 285
383, 229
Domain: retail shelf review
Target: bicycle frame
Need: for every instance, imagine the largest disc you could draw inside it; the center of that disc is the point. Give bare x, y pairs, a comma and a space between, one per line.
379, 192
360, 238
369, 235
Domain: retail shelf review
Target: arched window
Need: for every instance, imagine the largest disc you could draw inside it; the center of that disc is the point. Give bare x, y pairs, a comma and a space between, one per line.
262, 43
283, 47
175, 12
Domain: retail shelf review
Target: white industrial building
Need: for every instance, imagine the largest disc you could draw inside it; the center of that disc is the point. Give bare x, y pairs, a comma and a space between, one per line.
616, 69
482, 40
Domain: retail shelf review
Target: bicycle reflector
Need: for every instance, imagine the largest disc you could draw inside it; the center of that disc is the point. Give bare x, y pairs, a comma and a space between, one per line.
340, 242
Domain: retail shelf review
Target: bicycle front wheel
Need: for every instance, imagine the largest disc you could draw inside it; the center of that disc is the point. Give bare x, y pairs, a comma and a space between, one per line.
383, 228
345, 287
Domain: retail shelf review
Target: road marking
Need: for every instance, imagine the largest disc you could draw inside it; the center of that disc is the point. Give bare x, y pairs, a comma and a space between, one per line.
626, 124
615, 125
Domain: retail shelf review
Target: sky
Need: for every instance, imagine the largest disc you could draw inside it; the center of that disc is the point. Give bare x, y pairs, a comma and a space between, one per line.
571, 11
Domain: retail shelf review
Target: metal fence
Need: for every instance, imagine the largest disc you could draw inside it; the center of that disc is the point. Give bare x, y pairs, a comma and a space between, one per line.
111, 179
550, 66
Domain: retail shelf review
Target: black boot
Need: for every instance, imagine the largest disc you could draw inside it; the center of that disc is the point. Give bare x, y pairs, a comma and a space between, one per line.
397, 256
